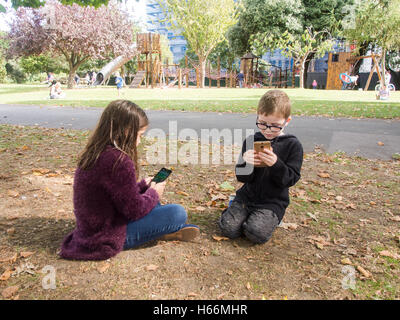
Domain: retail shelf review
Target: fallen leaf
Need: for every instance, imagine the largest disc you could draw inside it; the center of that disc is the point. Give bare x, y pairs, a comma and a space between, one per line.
192, 294
9, 292
313, 216
103, 267
200, 208
11, 259
351, 206
319, 245
289, 225
339, 198
324, 174
182, 193
387, 253
6, 275
395, 218
151, 267
13, 193
11, 231
226, 186
40, 172
364, 272
26, 254
218, 238
380, 143
346, 261
248, 286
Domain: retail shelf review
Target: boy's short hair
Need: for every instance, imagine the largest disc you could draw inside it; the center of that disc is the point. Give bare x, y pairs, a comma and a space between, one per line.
275, 101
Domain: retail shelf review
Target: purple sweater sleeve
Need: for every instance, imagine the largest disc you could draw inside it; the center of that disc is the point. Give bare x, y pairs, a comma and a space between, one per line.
126, 193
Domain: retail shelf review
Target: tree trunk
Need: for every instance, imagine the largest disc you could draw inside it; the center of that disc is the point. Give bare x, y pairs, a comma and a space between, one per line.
302, 68
383, 68
71, 77
202, 63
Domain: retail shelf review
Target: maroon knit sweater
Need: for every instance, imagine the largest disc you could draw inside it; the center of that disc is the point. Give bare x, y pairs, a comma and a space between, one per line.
104, 202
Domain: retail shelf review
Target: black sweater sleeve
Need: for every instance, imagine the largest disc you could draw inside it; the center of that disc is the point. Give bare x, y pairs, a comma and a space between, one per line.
286, 174
244, 171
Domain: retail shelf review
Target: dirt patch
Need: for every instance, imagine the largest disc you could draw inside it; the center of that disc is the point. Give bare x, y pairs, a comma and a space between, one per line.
340, 238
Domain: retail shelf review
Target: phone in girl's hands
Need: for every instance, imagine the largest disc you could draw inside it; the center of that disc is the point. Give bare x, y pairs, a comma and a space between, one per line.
161, 175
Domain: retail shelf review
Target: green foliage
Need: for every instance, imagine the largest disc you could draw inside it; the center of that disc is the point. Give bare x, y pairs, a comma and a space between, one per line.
376, 22
326, 14
265, 16
14, 73
33, 65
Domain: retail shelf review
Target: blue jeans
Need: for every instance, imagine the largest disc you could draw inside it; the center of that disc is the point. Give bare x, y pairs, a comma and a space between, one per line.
161, 220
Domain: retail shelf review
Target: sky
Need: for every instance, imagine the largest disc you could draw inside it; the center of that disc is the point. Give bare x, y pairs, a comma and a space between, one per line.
5, 17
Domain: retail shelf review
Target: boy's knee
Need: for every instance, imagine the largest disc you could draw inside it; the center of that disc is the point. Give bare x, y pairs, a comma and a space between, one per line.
231, 221
260, 226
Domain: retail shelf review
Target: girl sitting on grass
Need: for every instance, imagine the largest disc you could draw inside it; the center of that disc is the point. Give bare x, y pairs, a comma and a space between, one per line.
113, 210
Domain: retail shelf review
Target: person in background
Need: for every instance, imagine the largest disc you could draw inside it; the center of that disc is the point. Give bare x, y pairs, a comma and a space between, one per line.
314, 84
56, 91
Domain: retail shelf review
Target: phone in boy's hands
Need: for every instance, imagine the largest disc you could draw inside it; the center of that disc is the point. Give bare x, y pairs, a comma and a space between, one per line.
161, 175
259, 146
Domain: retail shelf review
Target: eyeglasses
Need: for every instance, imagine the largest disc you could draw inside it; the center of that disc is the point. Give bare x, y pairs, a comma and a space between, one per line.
264, 126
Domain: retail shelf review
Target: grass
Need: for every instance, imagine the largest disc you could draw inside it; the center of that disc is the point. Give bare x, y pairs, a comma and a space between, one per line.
330, 103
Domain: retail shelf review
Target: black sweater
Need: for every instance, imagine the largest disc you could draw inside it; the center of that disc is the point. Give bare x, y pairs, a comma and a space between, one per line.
268, 187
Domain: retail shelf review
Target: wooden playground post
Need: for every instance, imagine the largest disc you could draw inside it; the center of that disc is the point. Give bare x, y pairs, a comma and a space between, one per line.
375, 66
219, 73
180, 78
151, 60
209, 74
147, 70
187, 71
294, 77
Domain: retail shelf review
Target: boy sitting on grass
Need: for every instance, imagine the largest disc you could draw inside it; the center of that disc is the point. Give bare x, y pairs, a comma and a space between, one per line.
260, 203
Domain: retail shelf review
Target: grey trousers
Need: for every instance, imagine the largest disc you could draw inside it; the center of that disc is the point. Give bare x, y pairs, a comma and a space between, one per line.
257, 224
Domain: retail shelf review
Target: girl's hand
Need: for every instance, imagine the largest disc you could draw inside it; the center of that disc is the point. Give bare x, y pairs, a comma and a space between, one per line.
268, 157
250, 156
148, 180
159, 187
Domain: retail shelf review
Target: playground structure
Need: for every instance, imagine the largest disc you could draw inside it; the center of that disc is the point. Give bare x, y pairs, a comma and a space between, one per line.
341, 68
152, 72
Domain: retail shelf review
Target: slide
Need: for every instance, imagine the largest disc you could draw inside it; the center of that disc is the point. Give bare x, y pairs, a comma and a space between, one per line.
112, 66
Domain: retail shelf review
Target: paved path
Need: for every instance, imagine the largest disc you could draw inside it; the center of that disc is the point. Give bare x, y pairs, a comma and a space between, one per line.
352, 136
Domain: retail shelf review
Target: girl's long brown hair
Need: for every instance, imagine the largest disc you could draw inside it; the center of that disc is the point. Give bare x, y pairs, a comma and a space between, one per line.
118, 126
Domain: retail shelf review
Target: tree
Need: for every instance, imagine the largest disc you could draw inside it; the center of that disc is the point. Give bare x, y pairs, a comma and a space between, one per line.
69, 30
264, 16
377, 22
299, 48
38, 3
203, 23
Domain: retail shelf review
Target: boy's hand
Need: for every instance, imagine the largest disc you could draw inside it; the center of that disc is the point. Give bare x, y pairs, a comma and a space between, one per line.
250, 156
268, 157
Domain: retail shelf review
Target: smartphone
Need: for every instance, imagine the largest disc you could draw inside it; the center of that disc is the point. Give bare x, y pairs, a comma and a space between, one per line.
259, 146
161, 175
